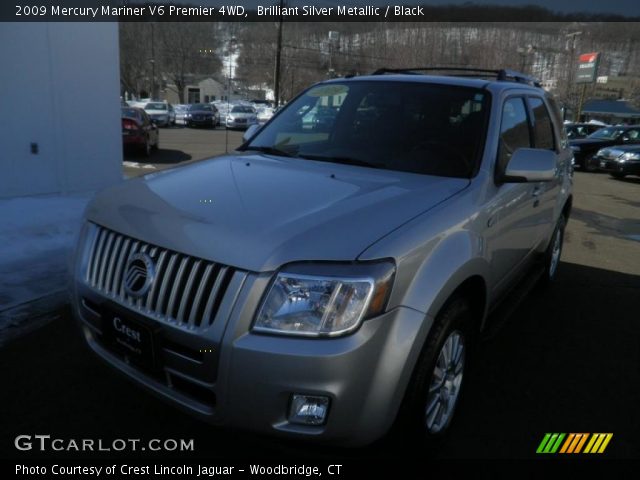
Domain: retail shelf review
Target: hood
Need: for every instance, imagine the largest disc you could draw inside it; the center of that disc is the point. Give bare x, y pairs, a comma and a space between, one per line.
591, 142
626, 148
241, 114
257, 212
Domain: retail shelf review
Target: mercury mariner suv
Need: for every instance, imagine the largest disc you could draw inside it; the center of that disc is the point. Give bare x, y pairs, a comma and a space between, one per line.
327, 279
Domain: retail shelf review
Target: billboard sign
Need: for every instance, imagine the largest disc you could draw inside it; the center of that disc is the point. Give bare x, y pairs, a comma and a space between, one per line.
587, 67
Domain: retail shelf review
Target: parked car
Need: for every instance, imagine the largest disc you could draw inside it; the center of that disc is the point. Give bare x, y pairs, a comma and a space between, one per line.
181, 113
161, 113
338, 278
585, 149
620, 161
202, 115
581, 130
264, 114
241, 116
138, 131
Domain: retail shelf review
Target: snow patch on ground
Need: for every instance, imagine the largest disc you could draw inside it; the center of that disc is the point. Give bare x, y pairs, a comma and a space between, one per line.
37, 235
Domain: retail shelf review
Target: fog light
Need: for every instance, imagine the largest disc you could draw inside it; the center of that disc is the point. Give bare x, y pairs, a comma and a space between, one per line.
307, 410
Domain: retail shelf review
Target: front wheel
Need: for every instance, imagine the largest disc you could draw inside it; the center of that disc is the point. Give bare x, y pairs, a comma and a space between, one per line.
617, 175
554, 250
434, 392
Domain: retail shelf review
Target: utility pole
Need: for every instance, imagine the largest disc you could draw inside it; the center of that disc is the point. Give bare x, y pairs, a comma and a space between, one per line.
153, 65
276, 74
573, 36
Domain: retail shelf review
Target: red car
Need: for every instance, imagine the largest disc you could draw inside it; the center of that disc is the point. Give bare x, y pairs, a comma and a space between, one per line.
139, 133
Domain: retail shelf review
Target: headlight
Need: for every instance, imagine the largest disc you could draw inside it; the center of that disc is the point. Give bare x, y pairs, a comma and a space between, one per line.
331, 301
630, 156
575, 148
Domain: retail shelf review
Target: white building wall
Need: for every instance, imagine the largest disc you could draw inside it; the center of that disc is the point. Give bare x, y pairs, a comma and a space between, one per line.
59, 85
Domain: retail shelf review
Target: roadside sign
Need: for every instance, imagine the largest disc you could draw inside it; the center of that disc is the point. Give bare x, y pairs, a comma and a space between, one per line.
587, 67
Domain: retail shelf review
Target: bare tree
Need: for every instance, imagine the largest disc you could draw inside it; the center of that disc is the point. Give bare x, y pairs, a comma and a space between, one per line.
187, 49
135, 67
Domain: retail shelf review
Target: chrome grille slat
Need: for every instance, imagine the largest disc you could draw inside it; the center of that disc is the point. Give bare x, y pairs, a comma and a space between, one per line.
199, 293
138, 302
133, 250
108, 284
117, 276
185, 292
176, 285
97, 255
165, 283
159, 274
103, 261
206, 316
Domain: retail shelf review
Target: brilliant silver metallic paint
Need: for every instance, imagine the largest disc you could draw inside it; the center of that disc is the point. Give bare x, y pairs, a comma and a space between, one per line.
269, 211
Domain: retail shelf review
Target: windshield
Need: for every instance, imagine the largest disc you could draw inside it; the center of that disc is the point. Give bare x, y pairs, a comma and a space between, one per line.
156, 106
201, 107
180, 108
607, 133
411, 127
240, 109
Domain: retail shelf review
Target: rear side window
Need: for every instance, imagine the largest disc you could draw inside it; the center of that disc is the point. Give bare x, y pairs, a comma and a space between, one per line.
514, 130
542, 124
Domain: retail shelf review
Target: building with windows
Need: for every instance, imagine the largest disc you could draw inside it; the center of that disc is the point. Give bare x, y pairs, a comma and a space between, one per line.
611, 112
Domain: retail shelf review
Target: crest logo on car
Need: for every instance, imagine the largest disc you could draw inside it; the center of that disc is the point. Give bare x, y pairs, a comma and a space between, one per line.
138, 274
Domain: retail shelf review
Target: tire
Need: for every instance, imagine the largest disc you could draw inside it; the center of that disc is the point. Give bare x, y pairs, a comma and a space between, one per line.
617, 175
587, 166
145, 150
425, 416
156, 145
551, 258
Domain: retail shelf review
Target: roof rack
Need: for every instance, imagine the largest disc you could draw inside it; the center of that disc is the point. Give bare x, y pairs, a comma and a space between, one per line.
502, 75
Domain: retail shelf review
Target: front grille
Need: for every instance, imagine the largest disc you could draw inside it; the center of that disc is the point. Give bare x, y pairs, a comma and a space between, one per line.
186, 291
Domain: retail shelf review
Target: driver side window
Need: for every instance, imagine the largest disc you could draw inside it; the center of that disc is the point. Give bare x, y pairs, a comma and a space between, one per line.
514, 131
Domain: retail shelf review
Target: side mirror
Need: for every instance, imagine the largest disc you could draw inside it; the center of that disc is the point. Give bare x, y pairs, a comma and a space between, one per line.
250, 132
531, 165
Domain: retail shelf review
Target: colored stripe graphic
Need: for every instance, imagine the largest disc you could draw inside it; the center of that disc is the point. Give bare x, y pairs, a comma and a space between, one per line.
550, 443
598, 442
574, 443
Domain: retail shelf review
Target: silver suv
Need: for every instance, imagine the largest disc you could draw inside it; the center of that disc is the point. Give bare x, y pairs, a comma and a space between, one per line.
327, 279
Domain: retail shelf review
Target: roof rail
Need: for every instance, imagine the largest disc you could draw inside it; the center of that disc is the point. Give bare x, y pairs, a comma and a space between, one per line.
502, 75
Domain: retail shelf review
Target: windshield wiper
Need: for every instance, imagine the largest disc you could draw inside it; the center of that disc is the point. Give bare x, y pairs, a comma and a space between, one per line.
343, 160
269, 151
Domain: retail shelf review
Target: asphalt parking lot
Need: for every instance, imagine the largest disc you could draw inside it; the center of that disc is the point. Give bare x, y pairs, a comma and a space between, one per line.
567, 360
180, 146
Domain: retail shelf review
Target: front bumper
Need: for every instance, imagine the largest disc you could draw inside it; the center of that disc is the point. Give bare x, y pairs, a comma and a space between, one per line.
161, 121
246, 380
628, 167
210, 122
239, 123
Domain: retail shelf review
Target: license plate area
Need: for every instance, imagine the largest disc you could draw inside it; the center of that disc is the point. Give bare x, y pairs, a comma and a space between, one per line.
135, 340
